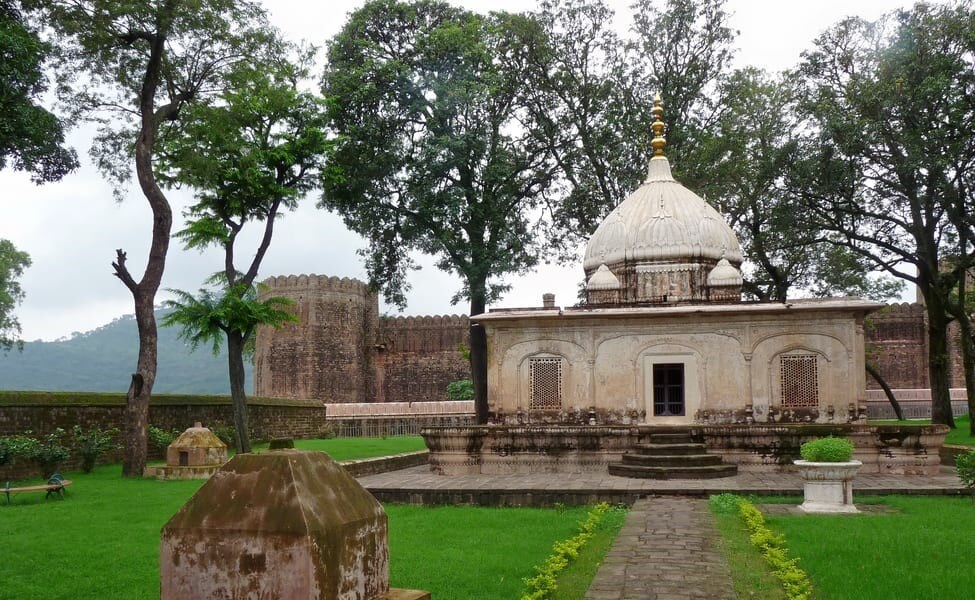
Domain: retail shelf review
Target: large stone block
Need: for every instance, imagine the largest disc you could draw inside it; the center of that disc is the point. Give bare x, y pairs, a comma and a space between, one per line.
282, 524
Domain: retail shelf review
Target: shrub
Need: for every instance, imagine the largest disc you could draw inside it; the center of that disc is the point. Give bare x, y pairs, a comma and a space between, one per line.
160, 439
543, 585
50, 452
92, 444
226, 434
460, 390
281, 443
16, 446
827, 449
328, 431
726, 504
965, 468
794, 580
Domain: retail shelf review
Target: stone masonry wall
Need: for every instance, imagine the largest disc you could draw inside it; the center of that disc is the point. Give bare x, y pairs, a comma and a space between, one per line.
419, 356
43, 412
327, 354
897, 343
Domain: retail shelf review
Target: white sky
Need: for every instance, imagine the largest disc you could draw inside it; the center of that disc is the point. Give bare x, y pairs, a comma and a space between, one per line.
72, 228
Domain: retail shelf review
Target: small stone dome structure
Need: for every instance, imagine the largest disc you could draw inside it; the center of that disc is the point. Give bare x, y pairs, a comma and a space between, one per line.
663, 240
196, 454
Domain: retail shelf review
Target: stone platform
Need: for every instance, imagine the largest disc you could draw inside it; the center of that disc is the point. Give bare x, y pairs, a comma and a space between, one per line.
418, 485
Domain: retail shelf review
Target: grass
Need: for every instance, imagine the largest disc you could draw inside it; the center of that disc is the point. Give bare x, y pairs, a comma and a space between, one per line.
923, 551
102, 541
575, 579
462, 552
750, 573
350, 448
961, 435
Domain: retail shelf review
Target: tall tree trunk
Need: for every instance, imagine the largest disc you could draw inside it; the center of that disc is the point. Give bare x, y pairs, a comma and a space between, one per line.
872, 370
235, 360
938, 361
959, 309
479, 354
144, 291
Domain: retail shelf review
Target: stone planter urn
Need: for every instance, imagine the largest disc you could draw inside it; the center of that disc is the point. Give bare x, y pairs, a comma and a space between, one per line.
827, 487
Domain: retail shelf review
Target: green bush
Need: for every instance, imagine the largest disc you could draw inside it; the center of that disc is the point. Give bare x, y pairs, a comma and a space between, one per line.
795, 582
965, 468
226, 434
726, 504
160, 439
17, 446
50, 452
827, 449
91, 444
460, 390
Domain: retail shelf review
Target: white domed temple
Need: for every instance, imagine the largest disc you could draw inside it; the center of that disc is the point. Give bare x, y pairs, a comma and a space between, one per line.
664, 343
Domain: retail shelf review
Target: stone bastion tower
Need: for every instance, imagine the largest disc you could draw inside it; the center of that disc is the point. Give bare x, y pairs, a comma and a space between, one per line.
327, 353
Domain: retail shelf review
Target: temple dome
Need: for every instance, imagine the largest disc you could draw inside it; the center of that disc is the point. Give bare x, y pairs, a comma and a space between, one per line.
662, 221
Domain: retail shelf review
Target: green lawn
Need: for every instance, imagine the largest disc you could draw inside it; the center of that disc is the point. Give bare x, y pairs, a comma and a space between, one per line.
350, 448
923, 551
960, 435
102, 542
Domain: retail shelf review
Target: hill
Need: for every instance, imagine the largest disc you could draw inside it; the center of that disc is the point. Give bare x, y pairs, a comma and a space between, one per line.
103, 359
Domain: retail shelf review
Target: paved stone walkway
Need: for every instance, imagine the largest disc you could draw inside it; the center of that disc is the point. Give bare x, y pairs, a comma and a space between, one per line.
666, 550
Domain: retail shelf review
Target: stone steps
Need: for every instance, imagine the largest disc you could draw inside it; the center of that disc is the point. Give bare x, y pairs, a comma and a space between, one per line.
671, 456
645, 472
669, 449
675, 460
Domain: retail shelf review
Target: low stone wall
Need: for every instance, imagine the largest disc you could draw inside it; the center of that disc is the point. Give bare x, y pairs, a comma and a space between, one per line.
889, 449
397, 418
43, 412
915, 403
384, 464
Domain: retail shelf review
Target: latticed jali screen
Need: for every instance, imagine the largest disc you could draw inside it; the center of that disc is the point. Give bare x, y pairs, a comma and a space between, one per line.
799, 375
545, 380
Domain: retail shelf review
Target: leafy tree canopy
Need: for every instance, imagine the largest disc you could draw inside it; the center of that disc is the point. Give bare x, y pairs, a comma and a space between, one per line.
12, 265
433, 149
31, 138
250, 154
891, 107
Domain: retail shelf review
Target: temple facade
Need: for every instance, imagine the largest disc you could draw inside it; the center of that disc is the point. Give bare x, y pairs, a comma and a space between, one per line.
664, 338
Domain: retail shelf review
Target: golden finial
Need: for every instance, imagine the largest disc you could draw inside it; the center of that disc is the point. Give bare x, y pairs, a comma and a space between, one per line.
658, 142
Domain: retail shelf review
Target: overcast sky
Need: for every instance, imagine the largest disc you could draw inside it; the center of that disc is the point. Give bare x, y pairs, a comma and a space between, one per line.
72, 228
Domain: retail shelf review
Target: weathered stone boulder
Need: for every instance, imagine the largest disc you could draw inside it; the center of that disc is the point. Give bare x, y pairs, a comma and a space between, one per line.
282, 524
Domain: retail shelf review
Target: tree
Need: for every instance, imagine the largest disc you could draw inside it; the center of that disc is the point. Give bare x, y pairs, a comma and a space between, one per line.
12, 265
251, 154
891, 103
434, 150
142, 63
31, 138
753, 150
591, 93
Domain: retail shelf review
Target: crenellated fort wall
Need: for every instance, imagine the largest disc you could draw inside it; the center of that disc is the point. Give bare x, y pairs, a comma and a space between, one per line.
342, 350
897, 343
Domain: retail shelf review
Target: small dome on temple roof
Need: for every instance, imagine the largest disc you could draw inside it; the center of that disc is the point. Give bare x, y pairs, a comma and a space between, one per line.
724, 274
603, 279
